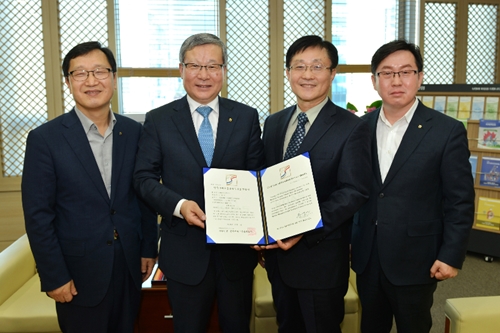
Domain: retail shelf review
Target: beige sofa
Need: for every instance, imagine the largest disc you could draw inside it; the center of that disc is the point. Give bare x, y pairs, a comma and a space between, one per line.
23, 307
473, 314
264, 315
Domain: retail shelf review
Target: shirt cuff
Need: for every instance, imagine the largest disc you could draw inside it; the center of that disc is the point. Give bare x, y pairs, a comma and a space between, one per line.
177, 210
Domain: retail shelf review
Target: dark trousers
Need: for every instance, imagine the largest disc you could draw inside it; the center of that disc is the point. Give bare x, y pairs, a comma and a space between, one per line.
381, 301
192, 305
306, 310
117, 311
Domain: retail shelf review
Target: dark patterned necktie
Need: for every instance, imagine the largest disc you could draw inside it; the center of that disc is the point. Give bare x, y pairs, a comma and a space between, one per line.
297, 136
205, 134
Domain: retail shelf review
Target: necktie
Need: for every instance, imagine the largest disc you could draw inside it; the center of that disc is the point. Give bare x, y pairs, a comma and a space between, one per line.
297, 136
205, 134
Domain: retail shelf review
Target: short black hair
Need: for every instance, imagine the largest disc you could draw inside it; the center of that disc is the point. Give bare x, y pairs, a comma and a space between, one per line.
83, 49
306, 42
397, 45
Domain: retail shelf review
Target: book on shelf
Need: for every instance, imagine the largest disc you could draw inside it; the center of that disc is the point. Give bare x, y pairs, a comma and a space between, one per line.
488, 214
490, 172
452, 106
477, 107
473, 164
488, 134
260, 207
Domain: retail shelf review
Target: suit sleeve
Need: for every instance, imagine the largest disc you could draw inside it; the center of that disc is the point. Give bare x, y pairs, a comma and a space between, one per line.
351, 191
458, 197
39, 200
255, 153
147, 174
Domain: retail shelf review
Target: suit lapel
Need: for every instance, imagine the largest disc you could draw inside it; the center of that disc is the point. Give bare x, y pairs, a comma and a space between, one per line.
227, 119
119, 143
286, 116
77, 139
372, 121
324, 120
419, 125
184, 121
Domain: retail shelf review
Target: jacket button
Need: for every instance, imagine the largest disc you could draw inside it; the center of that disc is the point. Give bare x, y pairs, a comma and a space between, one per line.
113, 212
381, 195
109, 243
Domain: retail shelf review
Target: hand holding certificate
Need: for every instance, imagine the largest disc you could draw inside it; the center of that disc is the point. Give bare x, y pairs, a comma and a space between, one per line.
260, 207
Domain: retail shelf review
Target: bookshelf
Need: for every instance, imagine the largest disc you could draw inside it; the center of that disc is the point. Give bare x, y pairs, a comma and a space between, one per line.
470, 104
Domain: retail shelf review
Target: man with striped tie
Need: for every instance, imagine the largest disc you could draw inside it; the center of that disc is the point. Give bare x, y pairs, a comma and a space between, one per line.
309, 272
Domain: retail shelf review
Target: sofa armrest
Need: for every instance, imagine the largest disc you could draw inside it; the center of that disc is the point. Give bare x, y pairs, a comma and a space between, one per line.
17, 266
472, 314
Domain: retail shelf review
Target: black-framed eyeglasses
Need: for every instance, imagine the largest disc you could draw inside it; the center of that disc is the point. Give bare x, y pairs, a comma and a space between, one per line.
402, 74
316, 68
82, 74
211, 68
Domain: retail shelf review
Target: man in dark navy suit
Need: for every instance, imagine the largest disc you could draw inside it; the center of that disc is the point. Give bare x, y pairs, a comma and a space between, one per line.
413, 231
93, 240
179, 140
309, 272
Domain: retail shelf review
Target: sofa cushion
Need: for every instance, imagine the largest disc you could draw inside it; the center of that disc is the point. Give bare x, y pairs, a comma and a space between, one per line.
29, 310
473, 314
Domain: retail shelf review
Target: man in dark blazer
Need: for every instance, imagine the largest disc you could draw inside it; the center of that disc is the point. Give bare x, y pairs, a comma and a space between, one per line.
413, 231
170, 152
93, 241
309, 272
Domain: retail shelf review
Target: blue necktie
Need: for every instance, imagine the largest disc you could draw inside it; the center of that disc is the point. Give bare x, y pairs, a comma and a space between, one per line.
205, 134
297, 136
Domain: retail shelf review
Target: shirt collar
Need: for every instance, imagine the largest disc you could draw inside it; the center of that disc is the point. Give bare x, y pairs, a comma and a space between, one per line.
407, 117
193, 105
87, 123
312, 113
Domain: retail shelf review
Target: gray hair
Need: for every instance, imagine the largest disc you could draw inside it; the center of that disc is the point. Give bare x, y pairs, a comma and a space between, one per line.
202, 39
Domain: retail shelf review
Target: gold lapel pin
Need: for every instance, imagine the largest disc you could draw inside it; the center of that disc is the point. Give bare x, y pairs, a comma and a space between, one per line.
419, 126
230, 119
120, 133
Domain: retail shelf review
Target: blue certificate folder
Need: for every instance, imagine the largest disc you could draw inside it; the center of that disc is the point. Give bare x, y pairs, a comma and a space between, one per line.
260, 207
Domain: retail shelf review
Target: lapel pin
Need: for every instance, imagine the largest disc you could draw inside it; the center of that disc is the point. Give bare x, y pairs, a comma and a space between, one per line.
230, 119
419, 126
120, 133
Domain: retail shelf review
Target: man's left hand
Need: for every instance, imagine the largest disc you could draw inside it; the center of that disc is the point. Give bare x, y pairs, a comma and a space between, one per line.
147, 265
442, 271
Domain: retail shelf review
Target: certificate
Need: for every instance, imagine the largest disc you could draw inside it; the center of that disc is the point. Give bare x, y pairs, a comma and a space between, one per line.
260, 207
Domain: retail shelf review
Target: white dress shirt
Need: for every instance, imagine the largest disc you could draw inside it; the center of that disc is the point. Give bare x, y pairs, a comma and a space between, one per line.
389, 137
213, 117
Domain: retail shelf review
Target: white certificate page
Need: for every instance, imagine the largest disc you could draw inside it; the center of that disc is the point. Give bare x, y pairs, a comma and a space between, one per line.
232, 207
290, 199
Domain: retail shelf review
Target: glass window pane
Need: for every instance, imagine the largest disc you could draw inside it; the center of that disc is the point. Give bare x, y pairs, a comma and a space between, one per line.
141, 94
359, 28
355, 88
150, 32
23, 101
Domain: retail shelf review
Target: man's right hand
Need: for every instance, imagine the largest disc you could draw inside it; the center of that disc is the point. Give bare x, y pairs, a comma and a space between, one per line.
193, 214
64, 293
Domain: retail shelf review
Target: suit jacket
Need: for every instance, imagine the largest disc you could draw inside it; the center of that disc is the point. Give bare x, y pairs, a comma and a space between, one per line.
169, 151
424, 209
70, 219
339, 146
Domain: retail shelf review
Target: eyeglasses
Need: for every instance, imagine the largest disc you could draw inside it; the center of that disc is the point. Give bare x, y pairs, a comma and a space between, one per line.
406, 74
195, 68
82, 74
314, 68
